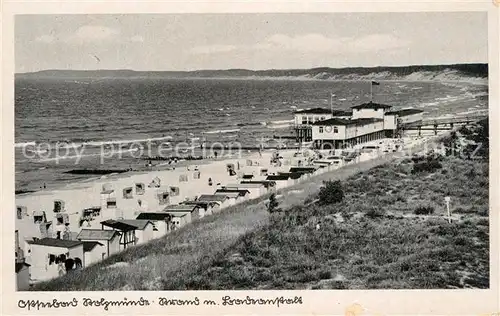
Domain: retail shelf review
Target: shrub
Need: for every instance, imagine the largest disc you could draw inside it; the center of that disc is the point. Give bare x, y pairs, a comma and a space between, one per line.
375, 213
331, 192
272, 205
424, 210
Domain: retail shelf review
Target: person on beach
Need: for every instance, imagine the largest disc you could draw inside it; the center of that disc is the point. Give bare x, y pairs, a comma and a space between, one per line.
210, 181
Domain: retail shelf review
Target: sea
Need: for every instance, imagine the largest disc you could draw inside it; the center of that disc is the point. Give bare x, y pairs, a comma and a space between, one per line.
87, 118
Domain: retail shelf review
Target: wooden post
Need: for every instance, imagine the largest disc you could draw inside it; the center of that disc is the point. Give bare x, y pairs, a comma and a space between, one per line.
447, 201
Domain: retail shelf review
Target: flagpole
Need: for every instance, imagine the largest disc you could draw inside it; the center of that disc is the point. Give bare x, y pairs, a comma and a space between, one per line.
331, 103
371, 91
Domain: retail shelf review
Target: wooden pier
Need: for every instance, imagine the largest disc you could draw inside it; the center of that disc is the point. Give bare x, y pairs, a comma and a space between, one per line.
440, 124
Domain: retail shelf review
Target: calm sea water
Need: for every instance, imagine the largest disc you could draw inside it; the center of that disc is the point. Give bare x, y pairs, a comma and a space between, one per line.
97, 112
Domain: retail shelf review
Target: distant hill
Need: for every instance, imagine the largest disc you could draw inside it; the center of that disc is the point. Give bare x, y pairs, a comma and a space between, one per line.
455, 72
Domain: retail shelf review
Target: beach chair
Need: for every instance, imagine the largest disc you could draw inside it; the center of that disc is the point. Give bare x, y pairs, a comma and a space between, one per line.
163, 198
174, 191
196, 175
127, 193
183, 178
58, 206
249, 162
140, 188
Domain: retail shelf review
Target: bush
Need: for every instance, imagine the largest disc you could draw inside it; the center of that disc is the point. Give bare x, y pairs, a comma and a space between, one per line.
424, 210
375, 213
331, 192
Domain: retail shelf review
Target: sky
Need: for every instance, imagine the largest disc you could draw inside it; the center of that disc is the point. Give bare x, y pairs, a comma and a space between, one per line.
252, 41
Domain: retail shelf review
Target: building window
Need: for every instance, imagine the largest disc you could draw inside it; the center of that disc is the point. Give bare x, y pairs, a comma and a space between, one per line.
304, 120
321, 129
335, 129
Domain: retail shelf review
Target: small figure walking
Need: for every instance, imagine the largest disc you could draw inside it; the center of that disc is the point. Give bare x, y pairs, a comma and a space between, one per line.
210, 181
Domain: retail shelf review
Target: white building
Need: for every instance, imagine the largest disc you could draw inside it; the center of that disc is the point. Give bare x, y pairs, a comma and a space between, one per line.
370, 110
144, 230
109, 238
342, 133
48, 256
94, 251
303, 120
161, 222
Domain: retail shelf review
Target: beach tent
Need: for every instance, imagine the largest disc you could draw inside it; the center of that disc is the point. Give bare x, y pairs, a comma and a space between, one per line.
140, 188
174, 191
127, 193
155, 183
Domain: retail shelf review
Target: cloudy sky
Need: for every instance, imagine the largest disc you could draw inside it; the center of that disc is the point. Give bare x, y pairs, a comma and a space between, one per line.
251, 41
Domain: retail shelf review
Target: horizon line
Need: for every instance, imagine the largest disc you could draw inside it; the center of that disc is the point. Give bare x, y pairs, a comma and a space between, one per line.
253, 70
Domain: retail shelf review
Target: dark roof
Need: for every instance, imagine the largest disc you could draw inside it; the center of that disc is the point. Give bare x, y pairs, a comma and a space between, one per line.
139, 223
292, 175
212, 198
20, 265
241, 192
405, 112
89, 245
247, 176
266, 183
314, 111
344, 122
371, 105
279, 177
180, 208
96, 234
154, 216
324, 111
200, 203
53, 242
303, 169
118, 225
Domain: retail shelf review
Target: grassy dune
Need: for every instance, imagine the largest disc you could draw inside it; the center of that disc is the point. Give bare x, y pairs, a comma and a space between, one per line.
371, 240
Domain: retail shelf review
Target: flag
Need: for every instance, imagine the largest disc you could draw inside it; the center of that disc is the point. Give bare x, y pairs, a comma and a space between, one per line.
374, 83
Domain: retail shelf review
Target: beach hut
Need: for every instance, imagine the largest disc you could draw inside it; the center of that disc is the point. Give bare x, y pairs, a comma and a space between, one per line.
127, 232
255, 189
222, 200
268, 184
48, 256
140, 188
93, 252
182, 214
144, 231
109, 238
128, 193
205, 208
160, 220
281, 180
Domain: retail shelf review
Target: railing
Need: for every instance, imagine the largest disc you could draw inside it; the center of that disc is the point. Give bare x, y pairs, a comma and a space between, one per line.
454, 120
